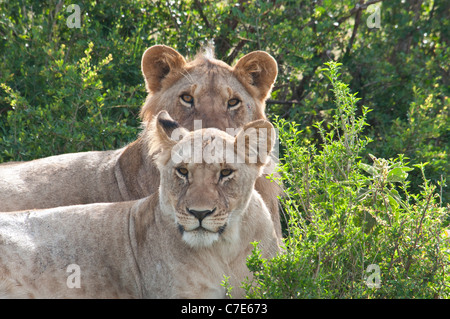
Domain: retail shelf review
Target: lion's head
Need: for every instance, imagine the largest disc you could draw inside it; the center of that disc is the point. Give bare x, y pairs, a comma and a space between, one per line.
208, 176
206, 89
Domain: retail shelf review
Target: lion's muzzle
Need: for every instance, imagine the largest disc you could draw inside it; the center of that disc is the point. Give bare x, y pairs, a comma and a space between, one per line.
200, 214
200, 228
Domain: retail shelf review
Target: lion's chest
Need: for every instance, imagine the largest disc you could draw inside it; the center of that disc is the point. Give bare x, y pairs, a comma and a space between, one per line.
186, 274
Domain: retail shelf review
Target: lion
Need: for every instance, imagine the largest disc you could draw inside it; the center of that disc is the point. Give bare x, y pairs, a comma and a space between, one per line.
178, 242
205, 92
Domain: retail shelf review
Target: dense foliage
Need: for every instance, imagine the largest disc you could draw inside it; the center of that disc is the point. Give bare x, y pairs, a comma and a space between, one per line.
69, 89
354, 230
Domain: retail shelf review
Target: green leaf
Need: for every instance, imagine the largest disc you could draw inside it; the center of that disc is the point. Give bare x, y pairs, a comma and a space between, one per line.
368, 168
320, 10
398, 174
393, 202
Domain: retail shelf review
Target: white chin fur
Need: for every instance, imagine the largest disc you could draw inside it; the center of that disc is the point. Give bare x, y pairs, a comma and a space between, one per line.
197, 239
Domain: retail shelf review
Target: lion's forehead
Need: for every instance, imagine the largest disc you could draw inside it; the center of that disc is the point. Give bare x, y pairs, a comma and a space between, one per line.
210, 74
205, 65
204, 138
205, 146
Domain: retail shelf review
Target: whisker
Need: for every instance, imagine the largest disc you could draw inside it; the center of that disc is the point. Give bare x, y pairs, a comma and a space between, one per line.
188, 76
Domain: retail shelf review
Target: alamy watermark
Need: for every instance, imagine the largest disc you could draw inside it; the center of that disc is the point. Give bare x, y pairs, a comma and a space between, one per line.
374, 19
374, 280
74, 20
74, 279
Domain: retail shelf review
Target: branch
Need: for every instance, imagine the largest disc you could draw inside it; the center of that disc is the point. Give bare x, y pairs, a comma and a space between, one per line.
230, 58
198, 6
221, 41
355, 28
320, 56
418, 235
282, 102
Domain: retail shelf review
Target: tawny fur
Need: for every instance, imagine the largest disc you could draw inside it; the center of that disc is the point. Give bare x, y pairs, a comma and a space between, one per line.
129, 173
135, 249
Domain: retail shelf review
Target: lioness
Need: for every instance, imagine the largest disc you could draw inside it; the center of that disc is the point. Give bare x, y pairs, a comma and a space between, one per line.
177, 243
204, 89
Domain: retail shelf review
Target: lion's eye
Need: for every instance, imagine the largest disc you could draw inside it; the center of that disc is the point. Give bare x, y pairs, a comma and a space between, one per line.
233, 103
183, 171
225, 172
187, 99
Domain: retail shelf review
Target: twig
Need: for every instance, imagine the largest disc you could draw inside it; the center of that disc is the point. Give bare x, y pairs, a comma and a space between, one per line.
419, 226
355, 29
282, 102
198, 6
236, 50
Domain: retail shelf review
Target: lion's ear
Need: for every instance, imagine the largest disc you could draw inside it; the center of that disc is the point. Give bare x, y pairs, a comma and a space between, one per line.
258, 71
255, 141
157, 62
166, 132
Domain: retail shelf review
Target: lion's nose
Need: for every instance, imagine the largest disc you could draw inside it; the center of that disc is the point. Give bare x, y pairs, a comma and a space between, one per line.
200, 214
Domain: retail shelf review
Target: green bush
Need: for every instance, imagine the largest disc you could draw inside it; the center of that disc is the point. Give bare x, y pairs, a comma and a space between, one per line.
423, 136
354, 229
73, 118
